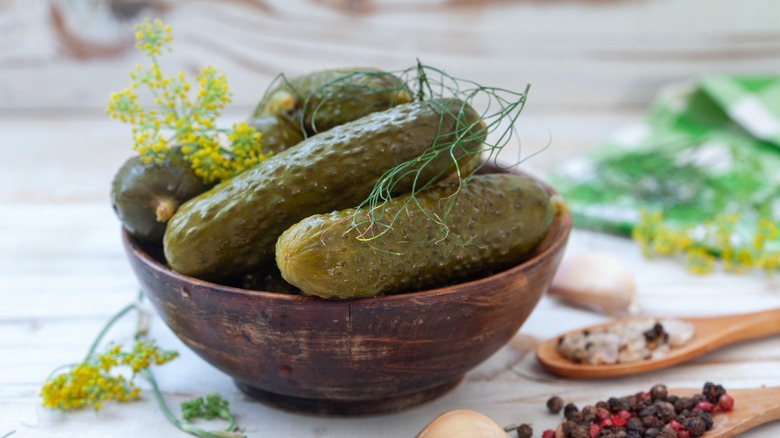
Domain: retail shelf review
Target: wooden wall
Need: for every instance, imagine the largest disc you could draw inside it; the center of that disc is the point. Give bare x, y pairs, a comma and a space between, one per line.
578, 55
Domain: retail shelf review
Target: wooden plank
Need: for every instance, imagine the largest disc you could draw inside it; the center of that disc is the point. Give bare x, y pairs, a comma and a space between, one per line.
576, 54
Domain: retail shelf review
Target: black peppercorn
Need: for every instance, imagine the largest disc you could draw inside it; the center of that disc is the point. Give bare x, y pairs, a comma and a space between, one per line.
652, 432
525, 431
634, 423
555, 404
668, 432
570, 410
588, 414
658, 392
695, 425
581, 431
707, 418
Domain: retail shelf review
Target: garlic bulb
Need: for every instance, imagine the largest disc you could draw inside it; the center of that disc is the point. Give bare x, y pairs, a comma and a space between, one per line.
595, 280
462, 423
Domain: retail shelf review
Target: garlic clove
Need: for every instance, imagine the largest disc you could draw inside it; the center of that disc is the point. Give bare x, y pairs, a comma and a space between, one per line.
595, 280
462, 423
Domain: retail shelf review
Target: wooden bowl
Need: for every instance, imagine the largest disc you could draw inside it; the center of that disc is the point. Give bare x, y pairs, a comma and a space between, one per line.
351, 357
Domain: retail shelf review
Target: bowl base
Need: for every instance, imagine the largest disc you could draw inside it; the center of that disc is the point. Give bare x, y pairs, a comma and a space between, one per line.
347, 407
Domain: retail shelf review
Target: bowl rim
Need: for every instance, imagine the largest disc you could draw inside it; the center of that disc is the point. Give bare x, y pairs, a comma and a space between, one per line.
562, 218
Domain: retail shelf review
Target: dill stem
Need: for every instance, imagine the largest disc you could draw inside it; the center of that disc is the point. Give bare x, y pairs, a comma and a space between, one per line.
107, 327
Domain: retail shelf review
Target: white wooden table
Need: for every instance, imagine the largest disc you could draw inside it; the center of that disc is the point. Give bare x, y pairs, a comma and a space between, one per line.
63, 271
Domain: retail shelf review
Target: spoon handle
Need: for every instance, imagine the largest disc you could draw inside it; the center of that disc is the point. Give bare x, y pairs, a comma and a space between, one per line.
752, 407
734, 328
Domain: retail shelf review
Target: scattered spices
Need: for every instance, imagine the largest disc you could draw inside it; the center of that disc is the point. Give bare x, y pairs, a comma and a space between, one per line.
525, 431
630, 341
652, 414
555, 404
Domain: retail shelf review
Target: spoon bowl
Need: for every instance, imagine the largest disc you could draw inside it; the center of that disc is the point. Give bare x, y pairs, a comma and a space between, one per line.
710, 333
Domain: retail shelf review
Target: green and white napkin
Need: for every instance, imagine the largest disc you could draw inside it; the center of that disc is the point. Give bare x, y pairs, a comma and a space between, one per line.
699, 175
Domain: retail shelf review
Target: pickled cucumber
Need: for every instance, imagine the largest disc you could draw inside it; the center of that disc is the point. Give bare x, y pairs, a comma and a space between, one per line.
324, 99
278, 132
232, 228
495, 221
145, 196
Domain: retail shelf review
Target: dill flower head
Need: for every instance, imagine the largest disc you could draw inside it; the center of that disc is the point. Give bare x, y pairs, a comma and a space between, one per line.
183, 116
95, 380
723, 237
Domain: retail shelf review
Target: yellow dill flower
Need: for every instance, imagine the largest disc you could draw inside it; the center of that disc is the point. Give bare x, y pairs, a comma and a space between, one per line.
717, 238
151, 36
179, 120
94, 380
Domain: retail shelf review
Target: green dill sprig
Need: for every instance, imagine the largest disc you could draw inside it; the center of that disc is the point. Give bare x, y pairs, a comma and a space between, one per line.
493, 130
209, 407
96, 379
215, 154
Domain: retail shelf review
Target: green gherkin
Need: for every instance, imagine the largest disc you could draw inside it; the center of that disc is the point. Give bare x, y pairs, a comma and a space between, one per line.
144, 196
324, 99
492, 222
232, 228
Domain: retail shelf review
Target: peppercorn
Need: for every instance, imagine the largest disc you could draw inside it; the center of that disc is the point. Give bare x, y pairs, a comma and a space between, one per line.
581, 431
726, 402
658, 392
651, 422
652, 432
549, 433
525, 431
635, 423
713, 392
570, 410
623, 405
695, 425
665, 411
668, 432
568, 426
707, 417
588, 414
555, 404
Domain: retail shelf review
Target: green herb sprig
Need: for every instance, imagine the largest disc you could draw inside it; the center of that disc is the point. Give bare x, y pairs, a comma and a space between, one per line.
98, 378
499, 110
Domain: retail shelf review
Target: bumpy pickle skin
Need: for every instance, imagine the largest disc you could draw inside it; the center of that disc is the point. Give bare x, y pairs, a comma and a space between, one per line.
321, 100
232, 229
496, 221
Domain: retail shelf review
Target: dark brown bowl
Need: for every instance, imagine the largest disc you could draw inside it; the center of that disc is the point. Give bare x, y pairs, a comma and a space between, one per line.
352, 357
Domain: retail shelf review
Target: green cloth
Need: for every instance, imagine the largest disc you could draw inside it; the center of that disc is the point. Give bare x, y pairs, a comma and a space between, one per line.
706, 148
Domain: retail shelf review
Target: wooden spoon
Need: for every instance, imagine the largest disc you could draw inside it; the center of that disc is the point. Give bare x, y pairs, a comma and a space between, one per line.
710, 334
752, 407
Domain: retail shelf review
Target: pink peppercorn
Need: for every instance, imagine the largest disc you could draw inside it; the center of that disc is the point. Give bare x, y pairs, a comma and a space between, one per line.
549, 433
683, 433
676, 425
704, 406
621, 418
726, 403
595, 430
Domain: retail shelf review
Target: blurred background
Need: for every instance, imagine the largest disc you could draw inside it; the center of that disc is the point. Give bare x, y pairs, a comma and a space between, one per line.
586, 55
593, 65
